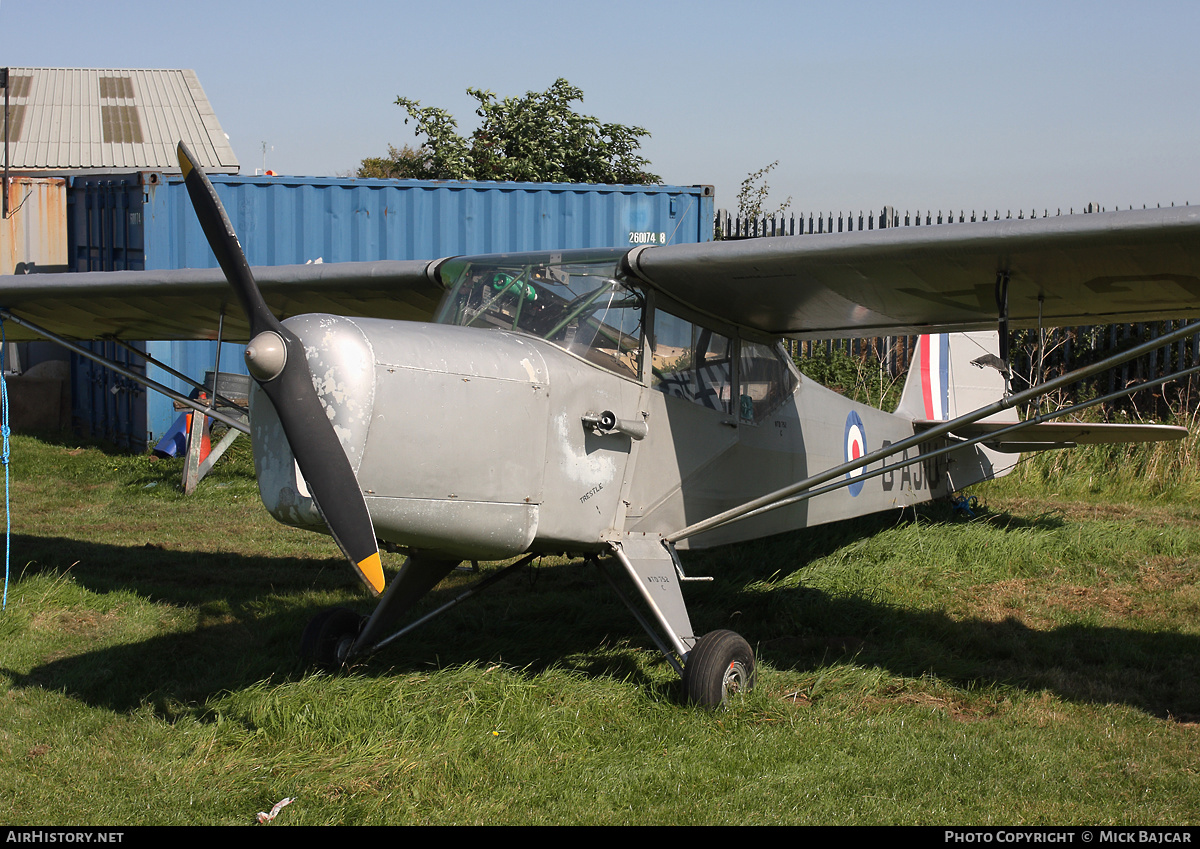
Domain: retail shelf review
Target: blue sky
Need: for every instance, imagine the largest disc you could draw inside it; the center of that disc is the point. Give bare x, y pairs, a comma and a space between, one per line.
920, 105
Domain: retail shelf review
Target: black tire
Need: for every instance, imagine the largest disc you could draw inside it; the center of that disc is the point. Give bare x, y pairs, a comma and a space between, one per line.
328, 637
720, 666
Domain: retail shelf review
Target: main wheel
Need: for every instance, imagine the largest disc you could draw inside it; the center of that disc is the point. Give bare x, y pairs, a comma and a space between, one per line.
328, 637
720, 666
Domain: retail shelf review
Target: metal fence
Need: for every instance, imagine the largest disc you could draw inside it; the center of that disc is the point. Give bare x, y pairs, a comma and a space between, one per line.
1033, 356
727, 226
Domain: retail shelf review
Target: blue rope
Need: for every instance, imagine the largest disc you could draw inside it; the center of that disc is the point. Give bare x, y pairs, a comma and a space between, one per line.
4, 458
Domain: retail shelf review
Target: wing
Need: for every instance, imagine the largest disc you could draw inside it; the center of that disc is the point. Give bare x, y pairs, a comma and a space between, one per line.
1075, 269
187, 303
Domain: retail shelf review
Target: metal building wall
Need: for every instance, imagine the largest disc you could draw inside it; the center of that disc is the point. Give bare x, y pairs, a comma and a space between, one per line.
146, 222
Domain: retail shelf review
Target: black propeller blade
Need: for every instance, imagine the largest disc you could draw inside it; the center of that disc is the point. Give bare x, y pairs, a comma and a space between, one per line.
275, 358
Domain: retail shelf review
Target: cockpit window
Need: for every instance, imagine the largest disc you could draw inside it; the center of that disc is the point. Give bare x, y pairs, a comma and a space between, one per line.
695, 363
580, 306
766, 381
692, 362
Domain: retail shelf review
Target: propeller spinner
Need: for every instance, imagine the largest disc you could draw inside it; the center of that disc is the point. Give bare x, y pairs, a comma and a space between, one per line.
275, 358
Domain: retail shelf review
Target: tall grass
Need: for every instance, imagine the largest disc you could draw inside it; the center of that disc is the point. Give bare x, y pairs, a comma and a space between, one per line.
1158, 470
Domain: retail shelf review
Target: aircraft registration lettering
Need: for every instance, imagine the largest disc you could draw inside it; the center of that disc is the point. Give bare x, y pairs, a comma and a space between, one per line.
910, 476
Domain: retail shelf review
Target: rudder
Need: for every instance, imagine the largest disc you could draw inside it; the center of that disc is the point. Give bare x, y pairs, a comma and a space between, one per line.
952, 374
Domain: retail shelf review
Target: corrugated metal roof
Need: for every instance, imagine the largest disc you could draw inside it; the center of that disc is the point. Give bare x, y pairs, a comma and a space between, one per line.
67, 120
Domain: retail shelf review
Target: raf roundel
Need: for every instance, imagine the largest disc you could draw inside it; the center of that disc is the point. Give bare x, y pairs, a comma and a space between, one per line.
855, 447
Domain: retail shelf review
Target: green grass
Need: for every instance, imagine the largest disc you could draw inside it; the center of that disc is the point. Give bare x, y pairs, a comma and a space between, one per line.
1034, 665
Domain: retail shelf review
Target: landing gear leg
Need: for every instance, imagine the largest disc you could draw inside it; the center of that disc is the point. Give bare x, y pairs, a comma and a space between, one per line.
716, 667
336, 636
417, 577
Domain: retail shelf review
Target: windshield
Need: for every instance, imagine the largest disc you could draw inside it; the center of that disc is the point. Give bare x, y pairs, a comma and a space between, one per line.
577, 305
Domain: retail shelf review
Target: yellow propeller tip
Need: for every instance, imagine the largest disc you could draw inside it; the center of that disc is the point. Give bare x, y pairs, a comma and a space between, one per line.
185, 162
372, 571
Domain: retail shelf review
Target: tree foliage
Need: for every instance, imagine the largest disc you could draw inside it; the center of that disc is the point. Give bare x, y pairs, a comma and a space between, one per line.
539, 137
753, 195
407, 163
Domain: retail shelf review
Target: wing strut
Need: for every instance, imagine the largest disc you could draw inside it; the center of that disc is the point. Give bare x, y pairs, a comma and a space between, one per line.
804, 489
217, 396
235, 423
988, 437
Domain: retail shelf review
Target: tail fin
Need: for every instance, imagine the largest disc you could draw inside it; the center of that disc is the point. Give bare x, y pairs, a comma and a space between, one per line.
952, 374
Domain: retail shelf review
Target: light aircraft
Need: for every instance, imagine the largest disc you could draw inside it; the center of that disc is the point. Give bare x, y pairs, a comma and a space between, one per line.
630, 403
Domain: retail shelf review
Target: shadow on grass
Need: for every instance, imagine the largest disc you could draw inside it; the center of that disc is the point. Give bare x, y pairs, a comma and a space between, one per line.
67, 438
250, 612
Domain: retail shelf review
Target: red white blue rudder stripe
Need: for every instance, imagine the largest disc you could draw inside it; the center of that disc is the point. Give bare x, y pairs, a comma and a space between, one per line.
935, 375
944, 382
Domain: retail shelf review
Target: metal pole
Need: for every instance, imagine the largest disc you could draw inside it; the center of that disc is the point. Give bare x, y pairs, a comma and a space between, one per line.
212, 401
4, 82
160, 364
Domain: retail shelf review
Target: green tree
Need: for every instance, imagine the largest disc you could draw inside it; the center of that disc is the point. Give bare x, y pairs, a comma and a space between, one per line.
408, 163
539, 137
753, 196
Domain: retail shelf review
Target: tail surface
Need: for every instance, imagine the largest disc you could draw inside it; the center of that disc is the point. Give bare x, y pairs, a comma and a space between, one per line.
952, 374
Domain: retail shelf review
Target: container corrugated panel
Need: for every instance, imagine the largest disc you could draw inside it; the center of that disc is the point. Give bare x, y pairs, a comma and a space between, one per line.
147, 222
34, 235
288, 220
106, 232
105, 405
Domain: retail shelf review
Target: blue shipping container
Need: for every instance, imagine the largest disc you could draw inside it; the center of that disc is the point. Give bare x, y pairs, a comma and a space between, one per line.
145, 221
